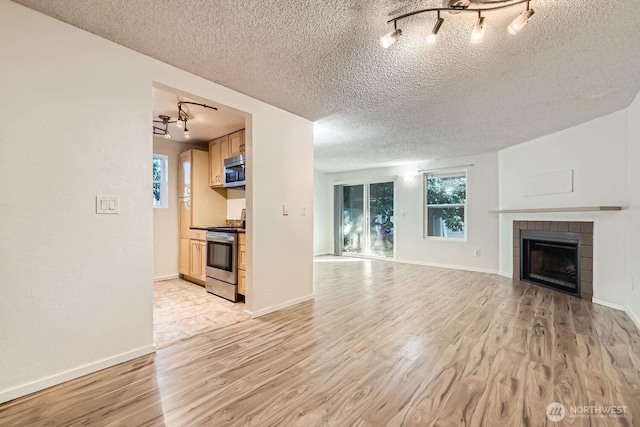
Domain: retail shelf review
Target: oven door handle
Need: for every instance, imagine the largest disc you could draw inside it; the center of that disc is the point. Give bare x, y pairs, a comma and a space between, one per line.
220, 239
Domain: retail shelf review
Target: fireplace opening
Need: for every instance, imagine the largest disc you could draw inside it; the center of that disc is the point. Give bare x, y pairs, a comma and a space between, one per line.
551, 259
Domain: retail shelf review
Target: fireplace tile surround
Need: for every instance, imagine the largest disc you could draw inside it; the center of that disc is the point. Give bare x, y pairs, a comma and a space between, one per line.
586, 249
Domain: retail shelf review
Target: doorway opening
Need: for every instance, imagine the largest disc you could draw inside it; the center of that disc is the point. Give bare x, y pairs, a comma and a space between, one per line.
364, 218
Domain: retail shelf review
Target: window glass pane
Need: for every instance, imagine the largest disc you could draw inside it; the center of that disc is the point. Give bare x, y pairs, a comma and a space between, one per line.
446, 190
353, 219
381, 219
156, 194
445, 222
157, 169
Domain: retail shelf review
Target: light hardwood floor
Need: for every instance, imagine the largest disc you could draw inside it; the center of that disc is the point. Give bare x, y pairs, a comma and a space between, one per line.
183, 309
382, 344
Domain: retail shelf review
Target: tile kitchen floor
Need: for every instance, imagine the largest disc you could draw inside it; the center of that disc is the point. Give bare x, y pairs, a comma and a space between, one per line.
183, 309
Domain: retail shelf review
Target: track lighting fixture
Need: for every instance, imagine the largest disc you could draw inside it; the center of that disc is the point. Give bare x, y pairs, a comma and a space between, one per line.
180, 121
458, 6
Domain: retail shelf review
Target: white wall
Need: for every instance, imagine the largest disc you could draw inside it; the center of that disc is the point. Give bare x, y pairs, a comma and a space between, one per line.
76, 287
322, 214
165, 220
482, 227
236, 201
597, 153
633, 235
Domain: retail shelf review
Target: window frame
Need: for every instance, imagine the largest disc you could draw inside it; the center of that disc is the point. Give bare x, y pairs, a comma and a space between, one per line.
426, 205
164, 182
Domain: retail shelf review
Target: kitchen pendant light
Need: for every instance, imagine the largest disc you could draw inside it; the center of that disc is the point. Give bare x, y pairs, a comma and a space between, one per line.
187, 134
460, 6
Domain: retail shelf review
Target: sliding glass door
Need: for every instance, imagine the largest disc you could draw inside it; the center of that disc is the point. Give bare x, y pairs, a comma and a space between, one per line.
364, 219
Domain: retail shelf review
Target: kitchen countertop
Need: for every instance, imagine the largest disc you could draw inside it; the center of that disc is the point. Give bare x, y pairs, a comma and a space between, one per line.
196, 227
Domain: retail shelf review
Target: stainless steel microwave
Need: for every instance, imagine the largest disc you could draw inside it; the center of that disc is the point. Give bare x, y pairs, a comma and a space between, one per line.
234, 171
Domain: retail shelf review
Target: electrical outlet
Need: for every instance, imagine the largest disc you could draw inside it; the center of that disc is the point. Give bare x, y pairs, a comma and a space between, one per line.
285, 210
304, 210
478, 252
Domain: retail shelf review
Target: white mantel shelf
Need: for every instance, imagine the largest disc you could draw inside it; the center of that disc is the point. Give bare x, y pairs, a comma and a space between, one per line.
567, 209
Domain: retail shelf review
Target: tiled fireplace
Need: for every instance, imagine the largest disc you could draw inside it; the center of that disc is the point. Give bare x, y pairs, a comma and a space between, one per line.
555, 254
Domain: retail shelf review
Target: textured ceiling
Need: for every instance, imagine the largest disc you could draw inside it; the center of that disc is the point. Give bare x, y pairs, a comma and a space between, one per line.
204, 124
575, 61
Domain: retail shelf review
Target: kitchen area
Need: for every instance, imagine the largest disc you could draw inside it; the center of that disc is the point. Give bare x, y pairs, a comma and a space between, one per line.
200, 259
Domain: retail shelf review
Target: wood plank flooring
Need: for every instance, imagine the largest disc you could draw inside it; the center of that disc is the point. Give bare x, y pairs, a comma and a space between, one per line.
383, 344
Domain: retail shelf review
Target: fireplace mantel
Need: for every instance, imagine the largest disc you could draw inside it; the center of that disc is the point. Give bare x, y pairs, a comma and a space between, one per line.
565, 209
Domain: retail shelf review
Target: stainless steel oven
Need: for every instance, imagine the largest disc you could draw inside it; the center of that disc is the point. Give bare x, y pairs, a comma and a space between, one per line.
222, 262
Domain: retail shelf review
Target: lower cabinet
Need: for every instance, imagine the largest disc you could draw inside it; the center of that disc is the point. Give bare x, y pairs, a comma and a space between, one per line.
198, 264
242, 264
242, 282
183, 256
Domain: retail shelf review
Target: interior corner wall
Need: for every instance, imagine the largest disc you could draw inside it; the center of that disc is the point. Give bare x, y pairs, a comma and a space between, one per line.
596, 151
410, 244
165, 220
69, 275
633, 235
322, 215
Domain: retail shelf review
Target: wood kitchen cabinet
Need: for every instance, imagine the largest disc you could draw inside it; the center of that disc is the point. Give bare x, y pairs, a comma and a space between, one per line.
236, 143
218, 151
199, 206
198, 263
242, 263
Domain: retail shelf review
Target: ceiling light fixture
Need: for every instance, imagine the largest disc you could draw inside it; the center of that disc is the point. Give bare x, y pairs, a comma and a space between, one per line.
431, 38
478, 30
458, 6
180, 121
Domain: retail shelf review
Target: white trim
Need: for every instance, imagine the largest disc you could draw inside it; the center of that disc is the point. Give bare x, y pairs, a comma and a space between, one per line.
634, 317
46, 382
448, 266
505, 274
169, 277
364, 181
279, 306
607, 304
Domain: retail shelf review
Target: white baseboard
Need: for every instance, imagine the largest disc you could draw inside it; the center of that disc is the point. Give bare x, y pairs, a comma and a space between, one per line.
448, 266
634, 317
280, 306
50, 381
163, 278
505, 274
607, 304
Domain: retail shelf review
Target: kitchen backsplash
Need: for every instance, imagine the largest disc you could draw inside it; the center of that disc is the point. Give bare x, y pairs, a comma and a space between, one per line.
234, 223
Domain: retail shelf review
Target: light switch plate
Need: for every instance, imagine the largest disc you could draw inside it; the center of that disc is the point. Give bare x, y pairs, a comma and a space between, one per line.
107, 205
285, 210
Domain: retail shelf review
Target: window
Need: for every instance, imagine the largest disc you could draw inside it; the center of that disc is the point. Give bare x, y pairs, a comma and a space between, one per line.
446, 207
160, 181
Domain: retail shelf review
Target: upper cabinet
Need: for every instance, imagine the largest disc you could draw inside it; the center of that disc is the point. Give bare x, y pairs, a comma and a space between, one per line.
236, 143
184, 179
204, 207
218, 151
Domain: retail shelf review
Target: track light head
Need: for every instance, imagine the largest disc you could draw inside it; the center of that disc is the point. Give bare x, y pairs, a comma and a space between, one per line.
167, 134
390, 38
187, 134
478, 31
431, 38
520, 21
180, 122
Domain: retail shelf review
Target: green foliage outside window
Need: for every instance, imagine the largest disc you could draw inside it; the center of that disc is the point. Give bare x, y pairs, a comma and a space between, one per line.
447, 191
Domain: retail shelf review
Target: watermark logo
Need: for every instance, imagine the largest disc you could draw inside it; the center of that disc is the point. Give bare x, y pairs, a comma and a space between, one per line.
556, 412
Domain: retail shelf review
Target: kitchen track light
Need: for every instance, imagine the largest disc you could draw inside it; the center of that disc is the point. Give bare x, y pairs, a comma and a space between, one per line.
459, 6
431, 38
180, 122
